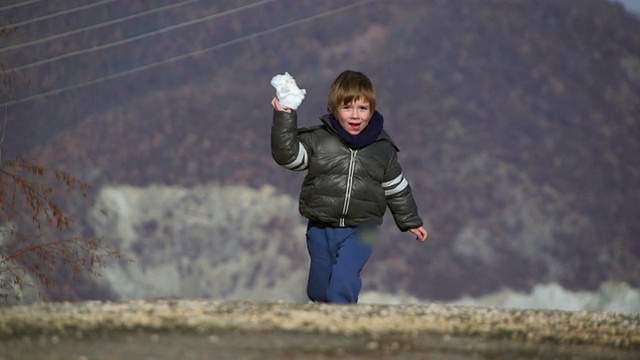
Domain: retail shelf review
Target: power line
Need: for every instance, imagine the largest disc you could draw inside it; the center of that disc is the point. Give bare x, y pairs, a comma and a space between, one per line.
97, 26
149, 34
184, 56
18, 5
63, 12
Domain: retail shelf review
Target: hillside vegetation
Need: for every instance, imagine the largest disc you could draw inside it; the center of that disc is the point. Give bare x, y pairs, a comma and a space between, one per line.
517, 121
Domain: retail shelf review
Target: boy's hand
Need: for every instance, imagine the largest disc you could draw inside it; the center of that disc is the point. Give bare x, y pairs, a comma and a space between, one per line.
420, 233
276, 105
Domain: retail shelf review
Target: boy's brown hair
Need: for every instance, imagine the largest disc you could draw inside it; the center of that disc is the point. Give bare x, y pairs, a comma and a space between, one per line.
351, 86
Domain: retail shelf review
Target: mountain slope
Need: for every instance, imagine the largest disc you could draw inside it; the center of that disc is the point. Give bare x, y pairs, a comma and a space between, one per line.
517, 122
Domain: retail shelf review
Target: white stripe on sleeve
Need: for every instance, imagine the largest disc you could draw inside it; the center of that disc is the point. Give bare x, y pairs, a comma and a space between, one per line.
301, 161
395, 186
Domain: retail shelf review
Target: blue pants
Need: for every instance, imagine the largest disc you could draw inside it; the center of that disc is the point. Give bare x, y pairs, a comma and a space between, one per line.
337, 258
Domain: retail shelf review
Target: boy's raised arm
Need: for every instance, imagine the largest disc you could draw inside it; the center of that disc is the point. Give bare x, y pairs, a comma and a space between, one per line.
286, 149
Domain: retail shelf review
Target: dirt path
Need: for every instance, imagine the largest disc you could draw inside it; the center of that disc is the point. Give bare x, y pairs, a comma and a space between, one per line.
206, 329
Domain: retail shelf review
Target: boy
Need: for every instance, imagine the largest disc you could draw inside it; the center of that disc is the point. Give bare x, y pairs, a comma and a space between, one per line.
353, 174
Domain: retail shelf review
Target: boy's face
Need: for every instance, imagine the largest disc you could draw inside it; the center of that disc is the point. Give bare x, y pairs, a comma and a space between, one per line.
354, 116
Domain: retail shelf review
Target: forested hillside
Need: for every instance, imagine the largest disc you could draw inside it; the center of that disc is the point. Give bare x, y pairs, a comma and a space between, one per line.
518, 121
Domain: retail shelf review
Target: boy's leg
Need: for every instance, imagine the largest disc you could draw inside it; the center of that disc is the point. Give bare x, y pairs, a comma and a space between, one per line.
320, 264
352, 254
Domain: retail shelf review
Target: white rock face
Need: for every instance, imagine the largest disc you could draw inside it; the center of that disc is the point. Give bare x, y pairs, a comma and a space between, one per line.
287, 91
611, 296
205, 242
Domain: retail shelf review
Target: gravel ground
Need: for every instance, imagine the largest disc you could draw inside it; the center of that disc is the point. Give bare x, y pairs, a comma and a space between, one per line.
207, 329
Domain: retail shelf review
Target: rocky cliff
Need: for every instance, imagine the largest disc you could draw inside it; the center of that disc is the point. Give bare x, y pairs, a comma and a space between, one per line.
189, 242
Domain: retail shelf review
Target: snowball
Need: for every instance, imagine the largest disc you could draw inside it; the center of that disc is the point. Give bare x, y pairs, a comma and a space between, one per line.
288, 93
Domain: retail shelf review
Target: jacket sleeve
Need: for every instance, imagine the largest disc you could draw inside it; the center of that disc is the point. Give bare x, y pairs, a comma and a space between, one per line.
399, 197
286, 148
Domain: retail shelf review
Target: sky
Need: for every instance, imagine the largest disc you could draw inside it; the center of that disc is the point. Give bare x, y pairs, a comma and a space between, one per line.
633, 6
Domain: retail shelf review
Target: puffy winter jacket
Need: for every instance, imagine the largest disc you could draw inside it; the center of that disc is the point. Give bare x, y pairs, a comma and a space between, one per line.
343, 186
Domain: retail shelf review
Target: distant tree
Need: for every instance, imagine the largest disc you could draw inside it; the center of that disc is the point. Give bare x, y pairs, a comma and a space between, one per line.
37, 242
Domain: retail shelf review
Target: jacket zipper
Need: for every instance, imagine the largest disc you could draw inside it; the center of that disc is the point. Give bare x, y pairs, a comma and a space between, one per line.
347, 195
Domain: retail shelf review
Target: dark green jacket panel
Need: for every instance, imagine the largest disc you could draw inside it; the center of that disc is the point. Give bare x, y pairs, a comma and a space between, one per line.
343, 187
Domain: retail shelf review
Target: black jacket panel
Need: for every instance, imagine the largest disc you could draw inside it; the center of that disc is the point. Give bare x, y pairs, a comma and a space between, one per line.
343, 186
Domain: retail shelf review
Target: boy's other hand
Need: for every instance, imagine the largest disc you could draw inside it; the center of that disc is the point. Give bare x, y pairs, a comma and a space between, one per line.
420, 233
276, 105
